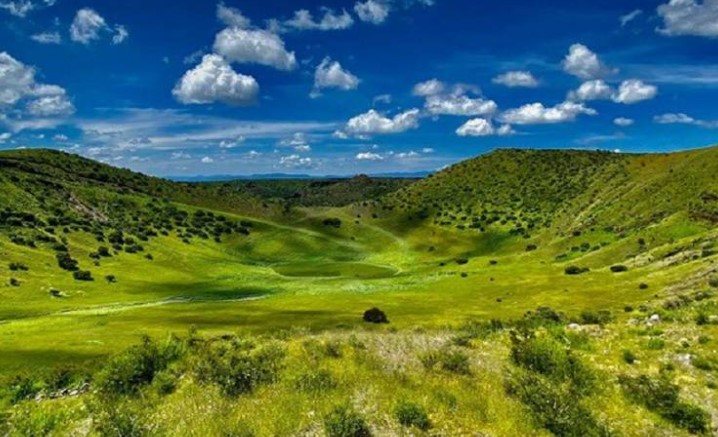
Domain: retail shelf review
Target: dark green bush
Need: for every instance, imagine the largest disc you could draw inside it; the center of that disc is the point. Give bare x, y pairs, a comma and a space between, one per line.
17, 266
629, 357
575, 270
662, 396
409, 414
318, 381
343, 421
619, 268
66, 262
601, 317
82, 275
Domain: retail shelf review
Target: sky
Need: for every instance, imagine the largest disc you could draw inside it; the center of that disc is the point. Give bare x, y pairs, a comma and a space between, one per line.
342, 87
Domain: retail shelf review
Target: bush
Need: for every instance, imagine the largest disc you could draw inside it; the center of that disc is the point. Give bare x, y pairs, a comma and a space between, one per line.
237, 367
136, 367
556, 407
66, 262
619, 268
629, 357
111, 279
575, 270
409, 414
14, 282
375, 315
82, 275
596, 318
16, 266
713, 282
643, 286
661, 395
450, 361
345, 422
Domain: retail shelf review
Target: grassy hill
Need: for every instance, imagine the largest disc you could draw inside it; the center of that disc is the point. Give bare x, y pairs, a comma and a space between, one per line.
527, 292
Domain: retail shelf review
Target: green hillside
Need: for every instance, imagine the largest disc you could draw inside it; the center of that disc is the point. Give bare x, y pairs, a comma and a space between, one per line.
527, 293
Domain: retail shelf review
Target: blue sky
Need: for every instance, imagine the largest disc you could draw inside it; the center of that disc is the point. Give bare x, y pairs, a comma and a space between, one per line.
188, 87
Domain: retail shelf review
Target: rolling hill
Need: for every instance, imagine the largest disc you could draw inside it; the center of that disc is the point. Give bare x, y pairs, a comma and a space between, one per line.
528, 292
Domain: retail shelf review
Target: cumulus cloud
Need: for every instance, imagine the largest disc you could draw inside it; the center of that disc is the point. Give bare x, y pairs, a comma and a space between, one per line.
47, 38
537, 113
372, 11
296, 161
629, 92
369, 156
232, 17
214, 80
459, 105
373, 122
634, 91
585, 64
89, 26
429, 88
688, 17
304, 20
330, 74
298, 142
21, 96
481, 127
516, 79
592, 90
623, 121
20, 8
681, 118
207, 160
254, 47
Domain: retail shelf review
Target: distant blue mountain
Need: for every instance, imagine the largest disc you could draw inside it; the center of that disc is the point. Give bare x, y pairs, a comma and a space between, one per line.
280, 176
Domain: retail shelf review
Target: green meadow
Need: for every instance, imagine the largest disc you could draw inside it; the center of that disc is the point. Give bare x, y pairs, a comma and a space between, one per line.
526, 292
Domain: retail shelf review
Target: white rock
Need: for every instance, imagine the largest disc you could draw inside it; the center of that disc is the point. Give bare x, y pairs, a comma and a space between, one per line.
655, 319
573, 327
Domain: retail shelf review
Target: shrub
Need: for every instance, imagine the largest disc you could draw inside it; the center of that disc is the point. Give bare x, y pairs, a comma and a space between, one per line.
121, 419
595, 318
556, 407
345, 422
462, 261
661, 395
238, 368
643, 286
629, 357
82, 275
111, 279
136, 367
575, 270
375, 315
450, 361
409, 414
531, 248
16, 266
14, 282
66, 262
619, 268
713, 281
333, 222
656, 344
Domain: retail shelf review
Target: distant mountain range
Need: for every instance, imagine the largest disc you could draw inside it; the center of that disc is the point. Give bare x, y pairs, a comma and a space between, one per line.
265, 176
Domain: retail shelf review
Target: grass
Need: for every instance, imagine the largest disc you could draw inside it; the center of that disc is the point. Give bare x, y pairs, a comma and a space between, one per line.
277, 310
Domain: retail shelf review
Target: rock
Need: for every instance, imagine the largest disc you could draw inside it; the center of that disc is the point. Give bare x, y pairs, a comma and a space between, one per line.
655, 319
375, 315
684, 359
573, 327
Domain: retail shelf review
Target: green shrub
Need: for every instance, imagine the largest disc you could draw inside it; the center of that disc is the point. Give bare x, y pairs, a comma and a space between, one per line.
656, 344
121, 419
448, 360
662, 396
82, 275
619, 269
345, 422
556, 407
601, 317
136, 367
237, 367
629, 357
575, 270
713, 281
16, 266
409, 414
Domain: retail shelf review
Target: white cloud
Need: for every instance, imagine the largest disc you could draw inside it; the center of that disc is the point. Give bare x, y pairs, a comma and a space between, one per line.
688, 17
481, 127
330, 74
429, 88
214, 80
303, 20
60, 138
207, 160
22, 97
89, 26
372, 122
369, 156
296, 161
180, 155
372, 11
592, 90
634, 91
625, 19
232, 17
382, 98
681, 118
298, 142
623, 122
20, 8
427, 150
585, 64
47, 38
459, 105
537, 113
254, 47
516, 79
4, 137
